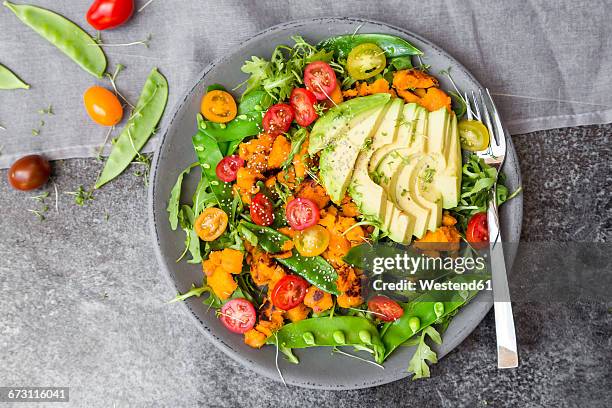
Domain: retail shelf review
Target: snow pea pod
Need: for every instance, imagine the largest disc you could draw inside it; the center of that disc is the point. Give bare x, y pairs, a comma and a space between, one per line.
64, 34
337, 331
139, 128
316, 270
392, 46
425, 311
8, 80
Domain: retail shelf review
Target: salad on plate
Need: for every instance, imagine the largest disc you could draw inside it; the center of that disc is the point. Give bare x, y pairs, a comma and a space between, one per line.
326, 155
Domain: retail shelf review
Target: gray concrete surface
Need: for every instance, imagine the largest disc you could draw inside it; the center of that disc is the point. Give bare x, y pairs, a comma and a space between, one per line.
82, 304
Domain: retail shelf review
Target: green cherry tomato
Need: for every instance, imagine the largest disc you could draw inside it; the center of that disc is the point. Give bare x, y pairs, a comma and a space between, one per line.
365, 61
474, 135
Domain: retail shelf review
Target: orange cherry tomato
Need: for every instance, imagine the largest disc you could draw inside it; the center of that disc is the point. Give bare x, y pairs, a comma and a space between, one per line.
312, 241
103, 106
211, 224
218, 106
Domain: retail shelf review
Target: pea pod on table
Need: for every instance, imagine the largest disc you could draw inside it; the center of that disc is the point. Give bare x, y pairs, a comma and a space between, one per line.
355, 331
68, 37
425, 311
140, 127
8, 80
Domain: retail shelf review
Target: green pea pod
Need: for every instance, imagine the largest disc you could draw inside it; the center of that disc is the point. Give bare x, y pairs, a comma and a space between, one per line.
428, 308
269, 239
392, 46
65, 35
8, 80
330, 332
242, 126
140, 127
315, 269
254, 101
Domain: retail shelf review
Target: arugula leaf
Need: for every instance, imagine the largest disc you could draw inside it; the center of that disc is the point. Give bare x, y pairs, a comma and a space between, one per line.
284, 70
194, 291
476, 182
297, 140
175, 196
423, 353
192, 240
259, 69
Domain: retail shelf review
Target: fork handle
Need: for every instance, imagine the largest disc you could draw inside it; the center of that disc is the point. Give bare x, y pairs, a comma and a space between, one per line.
507, 355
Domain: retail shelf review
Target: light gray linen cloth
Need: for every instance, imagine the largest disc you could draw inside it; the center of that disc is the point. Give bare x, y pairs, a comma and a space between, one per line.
548, 63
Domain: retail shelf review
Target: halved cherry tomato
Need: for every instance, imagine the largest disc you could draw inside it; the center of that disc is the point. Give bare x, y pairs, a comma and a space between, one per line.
303, 101
29, 172
106, 14
312, 241
320, 78
238, 315
477, 232
473, 135
227, 169
262, 210
103, 106
385, 309
302, 213
211, 224
289, 292
365, 61
218, 106
278, 119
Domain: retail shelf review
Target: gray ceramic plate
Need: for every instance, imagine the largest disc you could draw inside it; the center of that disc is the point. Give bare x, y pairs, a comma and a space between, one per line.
318, 367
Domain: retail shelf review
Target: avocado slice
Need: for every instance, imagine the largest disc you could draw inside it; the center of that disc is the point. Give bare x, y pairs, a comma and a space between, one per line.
404, 191
337, 162
338, 120
427, 194
449, 183
403, 137
370, 197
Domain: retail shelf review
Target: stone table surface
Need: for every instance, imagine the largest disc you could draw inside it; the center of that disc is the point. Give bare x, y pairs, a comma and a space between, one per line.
83, 303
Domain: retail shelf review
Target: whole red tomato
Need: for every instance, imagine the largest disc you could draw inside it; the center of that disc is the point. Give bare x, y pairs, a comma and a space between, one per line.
29, 172
107, 14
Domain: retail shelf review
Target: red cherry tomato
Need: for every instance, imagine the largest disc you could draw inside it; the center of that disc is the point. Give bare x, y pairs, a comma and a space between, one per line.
227, 169
29, 172
320, 78
278, 119
477, 232
303, 101
385, 309
262, 210
289, 292
302, 213
238, 315
107, 14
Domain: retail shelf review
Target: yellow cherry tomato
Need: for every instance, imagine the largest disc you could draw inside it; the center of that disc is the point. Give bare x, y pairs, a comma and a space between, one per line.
218, 106
211, 224
474, 135
365, 61
103, 106
312, 241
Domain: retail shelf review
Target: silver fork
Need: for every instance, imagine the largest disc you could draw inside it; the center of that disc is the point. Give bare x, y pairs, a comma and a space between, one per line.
507, 355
